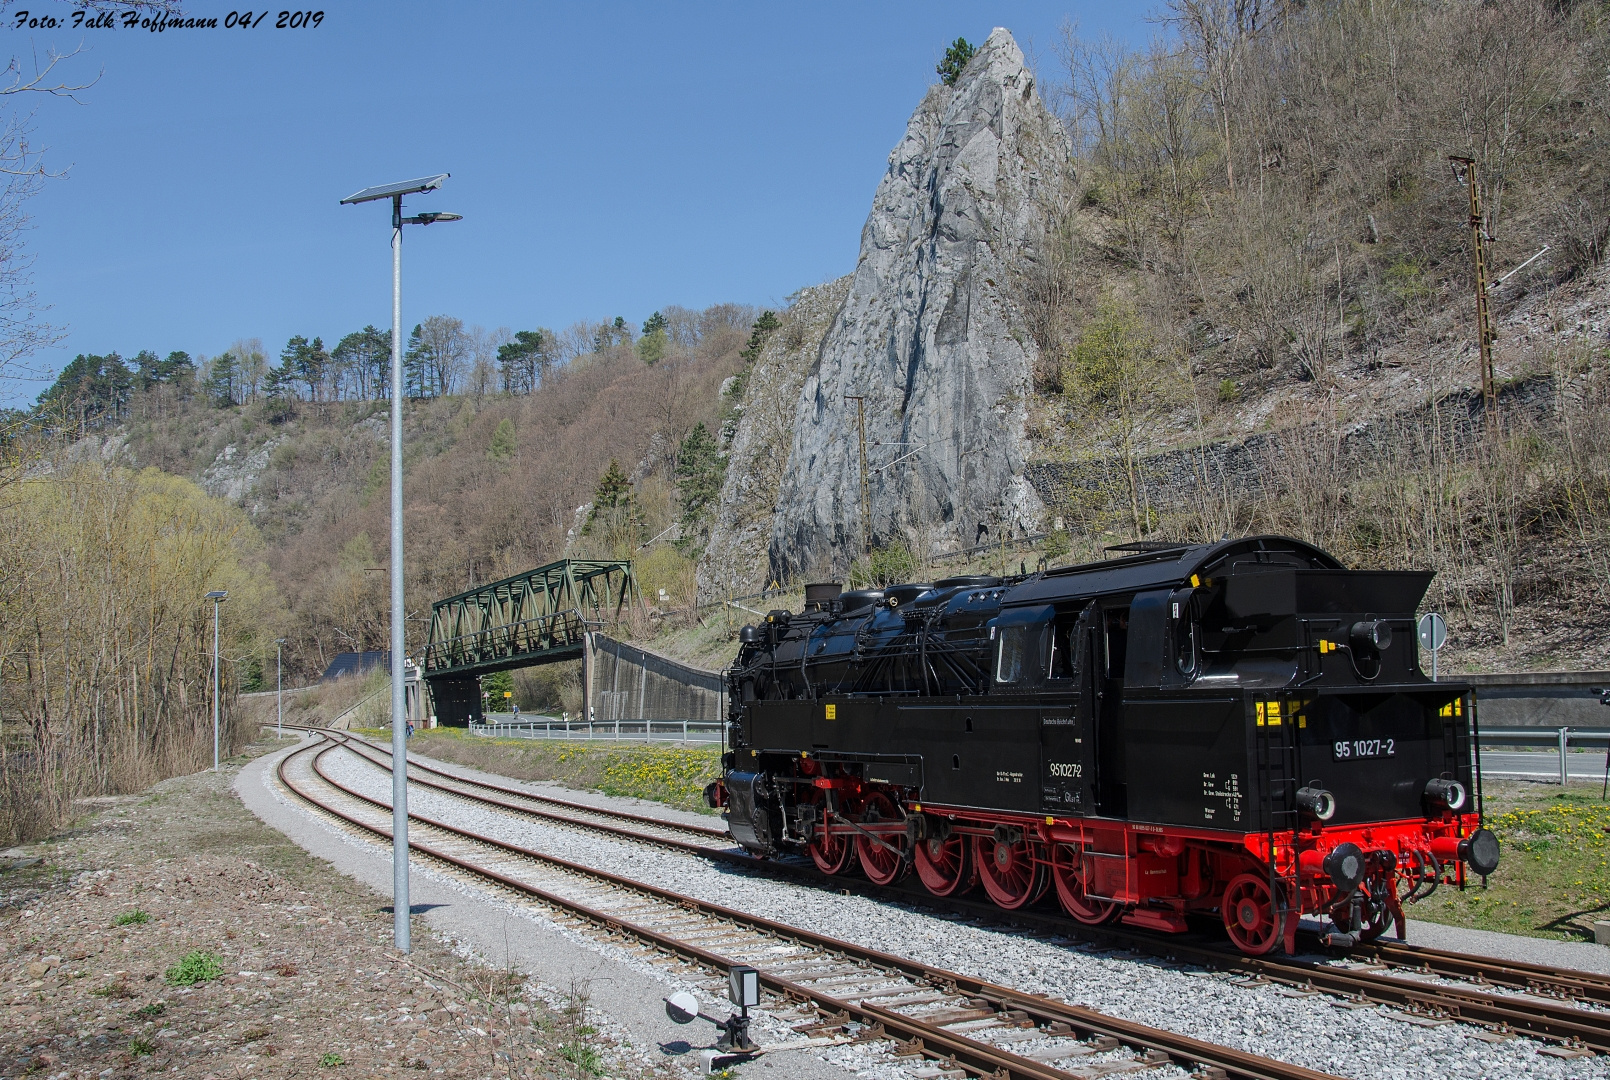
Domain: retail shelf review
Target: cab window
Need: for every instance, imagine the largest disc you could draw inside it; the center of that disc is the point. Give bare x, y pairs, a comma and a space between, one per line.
1022, 655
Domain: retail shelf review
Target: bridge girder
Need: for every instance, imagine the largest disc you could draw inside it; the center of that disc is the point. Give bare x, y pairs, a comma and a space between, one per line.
540, 616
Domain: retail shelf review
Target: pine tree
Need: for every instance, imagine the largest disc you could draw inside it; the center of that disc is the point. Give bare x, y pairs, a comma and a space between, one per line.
699, 472
365, 356
613, 495
757, 336
955, 62
503, 442
524, 361
418, 362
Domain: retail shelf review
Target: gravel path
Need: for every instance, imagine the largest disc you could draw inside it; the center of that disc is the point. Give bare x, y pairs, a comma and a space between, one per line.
1312, 1031
623, 986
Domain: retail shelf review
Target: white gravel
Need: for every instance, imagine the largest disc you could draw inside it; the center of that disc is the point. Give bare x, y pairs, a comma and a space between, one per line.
1311, 1031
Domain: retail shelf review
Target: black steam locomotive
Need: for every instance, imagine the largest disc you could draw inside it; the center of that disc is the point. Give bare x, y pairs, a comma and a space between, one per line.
1239, 727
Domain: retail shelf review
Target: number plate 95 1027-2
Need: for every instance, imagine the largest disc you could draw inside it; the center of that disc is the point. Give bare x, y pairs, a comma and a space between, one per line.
1351, 749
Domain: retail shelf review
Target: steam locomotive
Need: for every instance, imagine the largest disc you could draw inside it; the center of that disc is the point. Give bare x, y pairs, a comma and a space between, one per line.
1238, 728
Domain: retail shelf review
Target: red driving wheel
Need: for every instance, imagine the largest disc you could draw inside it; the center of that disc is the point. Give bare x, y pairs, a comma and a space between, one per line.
833, 853
1010, 872
883, 855
1249, 914
1068, 874
945, 866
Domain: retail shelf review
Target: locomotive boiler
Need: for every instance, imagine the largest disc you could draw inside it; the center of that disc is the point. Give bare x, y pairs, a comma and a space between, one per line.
1238, 729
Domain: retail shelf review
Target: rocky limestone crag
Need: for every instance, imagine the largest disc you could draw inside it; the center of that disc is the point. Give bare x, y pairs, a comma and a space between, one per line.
930, 336
735, 559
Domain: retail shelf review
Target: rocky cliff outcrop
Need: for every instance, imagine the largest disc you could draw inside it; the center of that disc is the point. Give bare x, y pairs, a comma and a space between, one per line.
929, 335
735, 560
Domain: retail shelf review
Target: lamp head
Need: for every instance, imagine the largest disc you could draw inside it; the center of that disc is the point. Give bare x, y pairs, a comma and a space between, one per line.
432, 217
218, 595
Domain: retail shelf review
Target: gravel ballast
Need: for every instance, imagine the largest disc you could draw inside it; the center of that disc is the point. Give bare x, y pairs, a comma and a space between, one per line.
1311, 1031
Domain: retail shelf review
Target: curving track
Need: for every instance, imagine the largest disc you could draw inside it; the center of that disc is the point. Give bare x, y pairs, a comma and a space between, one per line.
1562, 1007
951, 1019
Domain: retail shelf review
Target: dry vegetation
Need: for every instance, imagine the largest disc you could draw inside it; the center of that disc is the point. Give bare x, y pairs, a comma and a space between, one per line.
1265, 250
1268, 241
481, 504
105, 640
173, 933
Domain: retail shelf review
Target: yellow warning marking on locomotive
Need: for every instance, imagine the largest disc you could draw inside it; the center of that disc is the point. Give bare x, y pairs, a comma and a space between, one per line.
1050, 821
917, 806
1196, 582
832, 712
1260, 714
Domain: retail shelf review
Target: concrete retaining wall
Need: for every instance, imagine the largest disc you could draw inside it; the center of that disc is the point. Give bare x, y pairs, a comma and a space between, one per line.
1551, 699
631, 683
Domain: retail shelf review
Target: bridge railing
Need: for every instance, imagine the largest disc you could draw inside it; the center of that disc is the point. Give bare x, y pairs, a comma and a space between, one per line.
559, 630
708, 731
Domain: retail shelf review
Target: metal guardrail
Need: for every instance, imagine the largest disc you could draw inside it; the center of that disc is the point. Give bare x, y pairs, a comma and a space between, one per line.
697, 731
1559, 739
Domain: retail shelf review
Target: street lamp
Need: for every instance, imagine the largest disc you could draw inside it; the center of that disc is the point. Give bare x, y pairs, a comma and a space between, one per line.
217, 596
399, 723
279, 686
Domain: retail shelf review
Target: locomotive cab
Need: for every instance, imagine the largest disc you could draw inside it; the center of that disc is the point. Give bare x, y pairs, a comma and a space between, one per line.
1238, 730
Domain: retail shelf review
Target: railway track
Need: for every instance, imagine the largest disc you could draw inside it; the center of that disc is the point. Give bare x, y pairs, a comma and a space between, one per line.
828, 990
1504, 997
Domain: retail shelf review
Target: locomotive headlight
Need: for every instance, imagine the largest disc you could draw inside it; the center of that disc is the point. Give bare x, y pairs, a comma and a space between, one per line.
1446, 793
1317, 803
1372, 634
1345, 866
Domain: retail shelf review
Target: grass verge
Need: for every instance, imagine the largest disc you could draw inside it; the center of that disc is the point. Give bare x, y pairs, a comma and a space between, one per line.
1553, 879
674, 775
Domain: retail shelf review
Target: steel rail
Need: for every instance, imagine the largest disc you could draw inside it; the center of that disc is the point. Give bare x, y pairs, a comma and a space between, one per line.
1549, 1020
918, 1037
415, 766
1519, 974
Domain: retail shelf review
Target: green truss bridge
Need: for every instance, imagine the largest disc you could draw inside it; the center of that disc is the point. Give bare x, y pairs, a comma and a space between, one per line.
539, 617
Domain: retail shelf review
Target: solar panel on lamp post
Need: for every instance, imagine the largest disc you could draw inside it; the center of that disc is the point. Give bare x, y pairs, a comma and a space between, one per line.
217, 596
399, 722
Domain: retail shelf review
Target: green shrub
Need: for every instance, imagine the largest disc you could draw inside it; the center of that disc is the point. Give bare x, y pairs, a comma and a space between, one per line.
582, 1056
131, 918
196, 967
330, 1061
139, 1047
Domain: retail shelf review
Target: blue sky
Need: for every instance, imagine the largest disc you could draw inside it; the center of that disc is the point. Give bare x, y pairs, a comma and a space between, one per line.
609, 159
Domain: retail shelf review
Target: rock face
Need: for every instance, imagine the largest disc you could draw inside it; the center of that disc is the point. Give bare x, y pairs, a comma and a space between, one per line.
735, 560
930, 337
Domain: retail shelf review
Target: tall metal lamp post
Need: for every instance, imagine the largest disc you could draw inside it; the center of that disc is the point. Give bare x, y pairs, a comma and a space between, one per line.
279, 687
217, 596
399, 722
